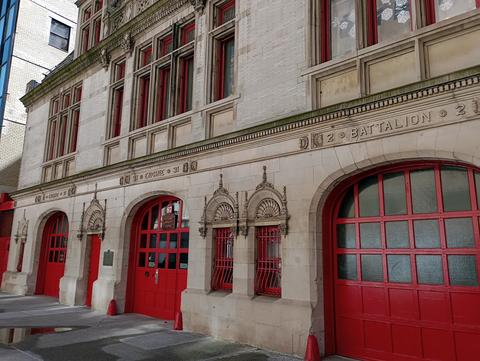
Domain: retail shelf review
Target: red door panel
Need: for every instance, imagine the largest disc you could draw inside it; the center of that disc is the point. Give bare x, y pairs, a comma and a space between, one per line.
159, 259
404, 265
4, 248
53, 255
95, 245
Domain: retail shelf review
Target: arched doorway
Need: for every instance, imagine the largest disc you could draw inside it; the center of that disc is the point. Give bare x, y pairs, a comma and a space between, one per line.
53, 255
158, 262
402, 261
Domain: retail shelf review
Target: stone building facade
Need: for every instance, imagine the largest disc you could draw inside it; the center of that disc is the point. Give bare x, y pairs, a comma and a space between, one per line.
270, 169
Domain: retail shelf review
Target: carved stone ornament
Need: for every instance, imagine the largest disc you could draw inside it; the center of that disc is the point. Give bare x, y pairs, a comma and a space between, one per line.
265, 206
105, 58
22, 230
222, 209
93, 218
127, 44
198, 5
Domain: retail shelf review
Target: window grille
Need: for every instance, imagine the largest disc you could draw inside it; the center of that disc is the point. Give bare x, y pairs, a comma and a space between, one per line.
222, 278
269, 261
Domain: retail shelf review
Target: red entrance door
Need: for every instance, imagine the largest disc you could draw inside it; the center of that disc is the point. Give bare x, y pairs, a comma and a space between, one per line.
406, 256
95, 244
53, 255
158, 259
6, 219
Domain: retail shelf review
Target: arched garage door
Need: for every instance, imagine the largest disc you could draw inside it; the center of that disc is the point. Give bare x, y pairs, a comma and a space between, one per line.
158, 263
53, 255
404, 272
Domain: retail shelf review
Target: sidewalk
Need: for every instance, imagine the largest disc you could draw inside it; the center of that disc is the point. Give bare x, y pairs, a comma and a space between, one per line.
96, 337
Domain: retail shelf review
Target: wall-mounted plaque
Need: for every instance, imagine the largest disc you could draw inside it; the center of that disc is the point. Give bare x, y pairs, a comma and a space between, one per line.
108, 258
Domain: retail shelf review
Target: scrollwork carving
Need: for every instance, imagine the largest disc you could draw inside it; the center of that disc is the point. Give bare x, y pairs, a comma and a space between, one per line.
198, 5
221, 209
93, 218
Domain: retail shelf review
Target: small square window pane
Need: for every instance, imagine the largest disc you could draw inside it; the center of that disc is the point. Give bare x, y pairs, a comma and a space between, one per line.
173, 240
347, 267
399, 270
455, 189
426, 234
153, 240
459, 233
172, 261
151, 260
343, 32
162, 260
477, 187
424, 196
393, 19
141, 260
368, 197
184, 240
163, 241
183, 260
429, 270
346, 236
394, 194
445, 9
370, 235
347, 209
372, 268
397, 234
462, 270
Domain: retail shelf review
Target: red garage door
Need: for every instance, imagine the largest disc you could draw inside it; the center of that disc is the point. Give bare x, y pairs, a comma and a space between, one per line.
406, 255
53, 255
159, 259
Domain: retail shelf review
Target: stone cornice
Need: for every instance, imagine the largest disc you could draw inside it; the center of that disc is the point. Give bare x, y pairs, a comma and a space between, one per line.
420, 90
143, 21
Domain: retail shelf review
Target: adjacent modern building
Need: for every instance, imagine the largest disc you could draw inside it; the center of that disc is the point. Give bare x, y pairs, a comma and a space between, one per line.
271, 169
34, 37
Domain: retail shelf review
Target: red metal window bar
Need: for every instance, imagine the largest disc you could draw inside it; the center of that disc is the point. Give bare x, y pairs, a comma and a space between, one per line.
269, 261
222, 278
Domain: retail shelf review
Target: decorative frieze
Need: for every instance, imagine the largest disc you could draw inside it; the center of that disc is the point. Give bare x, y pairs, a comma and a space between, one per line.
56, 195
153, 174
447, 114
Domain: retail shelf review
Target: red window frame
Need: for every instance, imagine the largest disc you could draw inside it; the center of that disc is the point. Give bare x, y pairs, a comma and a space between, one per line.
74, 136
77, 94
165, 45
87, 14
222, 10
85, 39
268, 267
117, 111
186, 80
163, 84
144, 93
97, 31
187, 31
332, 219
62, 135
98, 5
146, 56
120, 71
222, 276
221, 66
430, 13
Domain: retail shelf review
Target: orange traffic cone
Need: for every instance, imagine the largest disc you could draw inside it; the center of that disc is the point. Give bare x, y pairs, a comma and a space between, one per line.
112, 308
312, 353
178, 325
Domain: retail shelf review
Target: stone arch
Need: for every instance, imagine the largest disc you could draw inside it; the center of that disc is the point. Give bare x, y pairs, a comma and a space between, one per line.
125, 230
34, 241
318, 222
